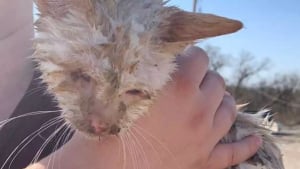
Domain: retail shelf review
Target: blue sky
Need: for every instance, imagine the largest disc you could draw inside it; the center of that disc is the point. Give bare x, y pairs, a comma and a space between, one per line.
271, 29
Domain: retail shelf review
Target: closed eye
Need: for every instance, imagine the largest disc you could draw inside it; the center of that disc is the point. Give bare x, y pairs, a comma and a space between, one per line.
77, 75
134, 92
138, 93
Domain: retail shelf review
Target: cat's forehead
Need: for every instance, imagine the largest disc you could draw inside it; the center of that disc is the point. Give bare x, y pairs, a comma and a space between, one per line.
120, 36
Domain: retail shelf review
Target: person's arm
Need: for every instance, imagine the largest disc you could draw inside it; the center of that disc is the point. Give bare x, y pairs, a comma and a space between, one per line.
16, 33
182, 130
16, 75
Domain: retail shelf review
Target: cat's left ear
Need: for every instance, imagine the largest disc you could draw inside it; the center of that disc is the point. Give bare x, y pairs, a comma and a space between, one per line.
58, 8
181, 26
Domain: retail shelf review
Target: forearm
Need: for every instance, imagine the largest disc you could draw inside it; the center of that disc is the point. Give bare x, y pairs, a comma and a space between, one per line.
16, 34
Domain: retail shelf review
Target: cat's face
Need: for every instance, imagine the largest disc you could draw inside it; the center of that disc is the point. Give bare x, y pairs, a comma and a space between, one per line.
105, 61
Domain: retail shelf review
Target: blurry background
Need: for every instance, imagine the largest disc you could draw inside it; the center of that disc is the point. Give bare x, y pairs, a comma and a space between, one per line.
261, 63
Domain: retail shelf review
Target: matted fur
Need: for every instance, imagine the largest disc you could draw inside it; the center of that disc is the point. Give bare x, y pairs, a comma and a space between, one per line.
105, 61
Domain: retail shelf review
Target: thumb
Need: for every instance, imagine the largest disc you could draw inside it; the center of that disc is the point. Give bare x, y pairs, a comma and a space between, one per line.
234, 153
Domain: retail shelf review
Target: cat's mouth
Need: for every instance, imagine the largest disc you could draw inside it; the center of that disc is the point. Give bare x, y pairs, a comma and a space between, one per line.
95, 127
101, 129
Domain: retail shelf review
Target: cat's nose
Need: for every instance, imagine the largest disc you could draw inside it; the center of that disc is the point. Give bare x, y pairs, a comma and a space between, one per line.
98, 128
102, 128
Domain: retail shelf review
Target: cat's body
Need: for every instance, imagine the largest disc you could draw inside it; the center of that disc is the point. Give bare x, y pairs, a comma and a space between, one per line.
105, 61
268, 156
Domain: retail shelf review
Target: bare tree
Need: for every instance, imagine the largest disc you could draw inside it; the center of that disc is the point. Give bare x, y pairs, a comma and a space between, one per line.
247, 67
195, 4
287, 102
217, 59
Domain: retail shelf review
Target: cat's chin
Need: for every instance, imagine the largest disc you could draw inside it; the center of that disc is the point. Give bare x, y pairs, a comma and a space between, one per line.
99, 137
93, 136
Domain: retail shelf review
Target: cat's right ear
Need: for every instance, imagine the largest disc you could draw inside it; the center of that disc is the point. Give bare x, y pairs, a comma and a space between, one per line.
182, 26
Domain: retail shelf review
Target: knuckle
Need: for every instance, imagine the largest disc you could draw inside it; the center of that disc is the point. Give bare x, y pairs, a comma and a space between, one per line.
229, 104
185, 85
216, 76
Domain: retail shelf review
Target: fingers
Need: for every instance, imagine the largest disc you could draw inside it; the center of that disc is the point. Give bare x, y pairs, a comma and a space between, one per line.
193, 65
210, 95
234, 153
224, 117
212, 89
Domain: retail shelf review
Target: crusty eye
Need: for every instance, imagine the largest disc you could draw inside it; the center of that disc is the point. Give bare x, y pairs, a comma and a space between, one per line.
140, 93
76, 75
134, 92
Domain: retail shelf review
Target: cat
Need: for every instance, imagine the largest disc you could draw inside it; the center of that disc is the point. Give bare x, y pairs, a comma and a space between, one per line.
105, 62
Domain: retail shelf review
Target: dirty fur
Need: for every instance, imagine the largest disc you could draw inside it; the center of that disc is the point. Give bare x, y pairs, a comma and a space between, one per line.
105, 61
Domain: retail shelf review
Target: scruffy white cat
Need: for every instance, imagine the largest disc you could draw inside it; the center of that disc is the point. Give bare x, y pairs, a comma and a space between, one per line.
105, 61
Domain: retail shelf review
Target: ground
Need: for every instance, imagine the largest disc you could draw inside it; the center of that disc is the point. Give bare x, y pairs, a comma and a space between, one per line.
290, 147
291, 155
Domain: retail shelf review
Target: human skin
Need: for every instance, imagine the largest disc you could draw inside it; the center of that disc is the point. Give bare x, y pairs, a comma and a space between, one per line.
15, 47
188, 120
182, 131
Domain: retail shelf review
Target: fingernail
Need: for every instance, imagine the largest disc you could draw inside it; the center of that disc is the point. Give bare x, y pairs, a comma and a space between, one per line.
187, 48
191, 50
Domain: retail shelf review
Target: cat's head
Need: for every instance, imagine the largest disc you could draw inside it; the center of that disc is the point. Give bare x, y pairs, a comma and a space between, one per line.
105, 61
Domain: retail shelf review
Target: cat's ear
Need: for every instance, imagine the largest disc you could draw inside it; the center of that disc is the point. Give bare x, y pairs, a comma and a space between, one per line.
180, 26
58, 8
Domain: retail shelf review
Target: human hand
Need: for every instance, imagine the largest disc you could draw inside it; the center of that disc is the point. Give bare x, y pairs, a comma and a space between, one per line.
182, 130
188, 121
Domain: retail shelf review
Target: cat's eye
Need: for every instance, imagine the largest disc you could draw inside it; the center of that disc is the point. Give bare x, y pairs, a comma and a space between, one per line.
134, 92
80, 75
140, 93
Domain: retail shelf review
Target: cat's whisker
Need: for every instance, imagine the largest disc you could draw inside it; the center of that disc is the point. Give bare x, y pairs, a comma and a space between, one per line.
49, 139
4, 122
50, 122
59, 142
134, 149
118, 137
34, 90
129, 146
46, 143
25, 141
142, 151
142, 130
66, 139
124, 151
38, 132
38, 153
149, 143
